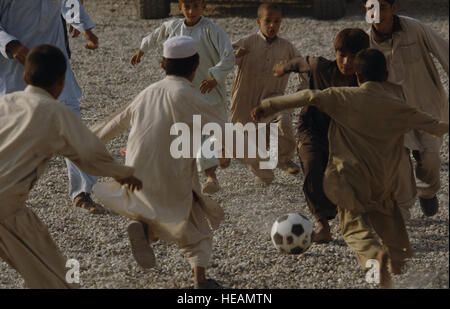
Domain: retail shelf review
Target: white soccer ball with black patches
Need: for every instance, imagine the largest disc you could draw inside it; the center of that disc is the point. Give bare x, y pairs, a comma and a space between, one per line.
292, 233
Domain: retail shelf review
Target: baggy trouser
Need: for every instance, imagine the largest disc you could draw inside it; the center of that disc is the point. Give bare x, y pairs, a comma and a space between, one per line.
79, 181
368, 233
314, 160
286, 138
196, 242
428, 169
406, 192
26, 245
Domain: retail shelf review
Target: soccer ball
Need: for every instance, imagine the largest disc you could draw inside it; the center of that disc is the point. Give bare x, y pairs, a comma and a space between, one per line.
292, 233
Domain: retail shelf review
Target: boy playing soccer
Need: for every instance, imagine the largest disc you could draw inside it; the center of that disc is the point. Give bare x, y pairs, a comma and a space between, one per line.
367, 127
254, 81
25, 24
172, 207
407, 45
33, 128
313, 124
216, 61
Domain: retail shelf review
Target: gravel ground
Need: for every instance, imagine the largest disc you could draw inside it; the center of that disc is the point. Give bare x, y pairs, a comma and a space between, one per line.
243, 255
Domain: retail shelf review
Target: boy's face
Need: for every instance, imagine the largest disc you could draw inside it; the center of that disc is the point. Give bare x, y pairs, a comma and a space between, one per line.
386, 16
345, 62
192, 10
269, 23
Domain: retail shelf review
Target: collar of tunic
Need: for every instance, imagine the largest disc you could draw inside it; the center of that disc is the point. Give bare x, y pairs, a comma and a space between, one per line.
38, 90
261, 35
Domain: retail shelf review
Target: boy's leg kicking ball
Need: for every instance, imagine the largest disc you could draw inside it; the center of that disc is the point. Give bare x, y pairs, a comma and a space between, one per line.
358, 178
172, 207
313, 124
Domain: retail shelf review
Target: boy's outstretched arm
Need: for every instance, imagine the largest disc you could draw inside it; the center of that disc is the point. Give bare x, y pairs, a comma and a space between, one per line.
271, 106
419, 120
115, 124
151, 40
437, 45
10, 46
73, 140
298, 64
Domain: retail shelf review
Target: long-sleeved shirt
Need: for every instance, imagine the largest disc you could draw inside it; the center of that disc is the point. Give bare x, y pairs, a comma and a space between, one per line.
170, 183
410, 65
33, 23
254, 80
366, 137
215, 51
33, 128
323, 73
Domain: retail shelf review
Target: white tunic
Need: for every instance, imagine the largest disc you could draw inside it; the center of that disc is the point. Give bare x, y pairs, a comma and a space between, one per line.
215, 50
170, 185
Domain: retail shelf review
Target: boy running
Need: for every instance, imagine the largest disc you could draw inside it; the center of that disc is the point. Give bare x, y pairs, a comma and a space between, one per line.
366, 133
171, 207
216, 61
255, 57
313, 124
33, 128
407, 45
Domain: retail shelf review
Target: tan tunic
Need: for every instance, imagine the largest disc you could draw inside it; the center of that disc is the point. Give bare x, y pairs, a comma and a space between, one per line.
170, 184
410, 65
254, 79
34, 127
366, 140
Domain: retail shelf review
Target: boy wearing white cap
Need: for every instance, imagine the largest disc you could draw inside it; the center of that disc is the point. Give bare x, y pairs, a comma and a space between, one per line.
171, 207
216, 61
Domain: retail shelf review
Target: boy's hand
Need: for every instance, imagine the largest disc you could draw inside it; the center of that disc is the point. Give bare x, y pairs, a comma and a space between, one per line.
261, 112
132, 183
18, 51
207, 85
278, 69
137, 57
75, 33
241, 52
92, 38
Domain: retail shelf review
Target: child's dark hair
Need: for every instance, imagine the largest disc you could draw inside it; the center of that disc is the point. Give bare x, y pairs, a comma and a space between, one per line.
370, 64
351, 40
44, 65
269, 6
180, 67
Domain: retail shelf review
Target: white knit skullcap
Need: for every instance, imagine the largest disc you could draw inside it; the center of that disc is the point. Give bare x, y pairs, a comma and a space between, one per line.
180, 47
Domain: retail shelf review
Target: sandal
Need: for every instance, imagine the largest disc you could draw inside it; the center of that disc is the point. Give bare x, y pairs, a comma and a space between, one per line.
84, 201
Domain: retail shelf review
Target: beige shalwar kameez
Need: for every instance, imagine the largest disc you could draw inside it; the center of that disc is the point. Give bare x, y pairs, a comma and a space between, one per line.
410, 65
254, 81
170, 202
366, 137
34, 127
